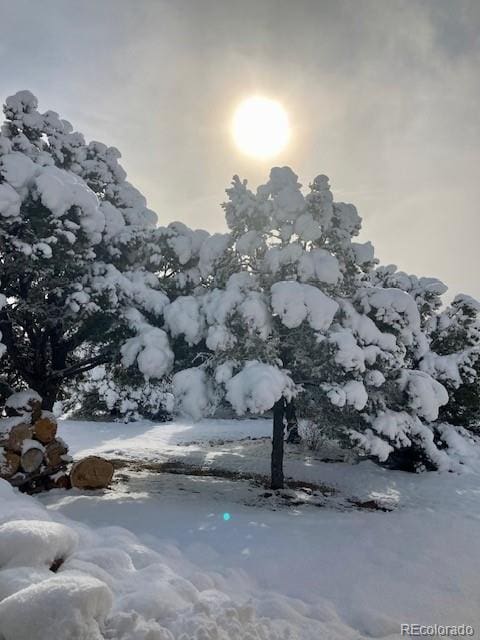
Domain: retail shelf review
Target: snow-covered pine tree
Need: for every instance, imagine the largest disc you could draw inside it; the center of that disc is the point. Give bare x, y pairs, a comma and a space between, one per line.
301, 253
452, 357
266, 324
454, 360
299, 313
427, 292
75, 283
188, 263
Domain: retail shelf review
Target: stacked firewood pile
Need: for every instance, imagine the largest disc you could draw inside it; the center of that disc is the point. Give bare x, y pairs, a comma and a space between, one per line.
34, 459
31, 456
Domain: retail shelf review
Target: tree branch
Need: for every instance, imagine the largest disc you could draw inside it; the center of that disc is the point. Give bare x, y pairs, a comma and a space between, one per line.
81, 367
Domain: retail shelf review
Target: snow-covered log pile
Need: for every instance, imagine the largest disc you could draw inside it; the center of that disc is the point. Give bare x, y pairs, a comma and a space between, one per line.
32, 457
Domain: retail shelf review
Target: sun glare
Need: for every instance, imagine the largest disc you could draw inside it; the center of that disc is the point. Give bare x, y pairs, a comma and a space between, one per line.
261, 127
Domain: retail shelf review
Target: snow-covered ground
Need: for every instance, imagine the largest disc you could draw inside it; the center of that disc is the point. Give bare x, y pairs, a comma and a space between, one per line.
302, 566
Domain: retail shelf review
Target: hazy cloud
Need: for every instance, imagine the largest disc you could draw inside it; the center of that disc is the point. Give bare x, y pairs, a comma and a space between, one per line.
383, 98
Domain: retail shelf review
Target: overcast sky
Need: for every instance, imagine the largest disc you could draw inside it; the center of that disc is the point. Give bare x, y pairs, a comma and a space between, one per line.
383, 97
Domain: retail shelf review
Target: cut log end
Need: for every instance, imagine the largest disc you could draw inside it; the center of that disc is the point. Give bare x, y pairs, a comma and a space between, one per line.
9, 465
92, 472
17, 435
31, 460
55, 453
45, 429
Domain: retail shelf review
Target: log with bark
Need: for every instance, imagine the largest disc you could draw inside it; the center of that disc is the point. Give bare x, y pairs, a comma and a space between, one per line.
9, 464
31, 459
15, 434
56, 453
45, 427
92, 472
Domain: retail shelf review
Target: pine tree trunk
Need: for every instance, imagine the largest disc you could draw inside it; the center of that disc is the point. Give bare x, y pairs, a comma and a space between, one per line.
48, 390
277, 444
292, 423
49, 401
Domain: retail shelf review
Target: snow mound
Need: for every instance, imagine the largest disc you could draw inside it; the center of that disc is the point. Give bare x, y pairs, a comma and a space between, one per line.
352, 393
18, 578
112, 587
68, 606
61, 190
321, 265
35, 543
182, 317
22, 400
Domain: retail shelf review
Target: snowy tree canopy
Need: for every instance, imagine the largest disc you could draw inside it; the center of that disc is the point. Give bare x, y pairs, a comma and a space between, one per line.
85, 270
287, 306
304, 306
72, 268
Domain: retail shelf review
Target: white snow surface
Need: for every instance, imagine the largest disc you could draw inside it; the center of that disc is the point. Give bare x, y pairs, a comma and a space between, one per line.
295, 302
59, 190
352, 393
320, 265
150, 349
21, 400
192, 392
426, 395
154, 559
257, 387
9, 201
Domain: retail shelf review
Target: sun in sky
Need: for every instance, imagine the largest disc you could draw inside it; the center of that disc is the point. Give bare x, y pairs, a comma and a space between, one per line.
261, 127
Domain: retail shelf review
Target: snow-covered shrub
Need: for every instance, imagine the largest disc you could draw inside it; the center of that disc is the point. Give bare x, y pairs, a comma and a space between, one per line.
326, 442
311, 434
